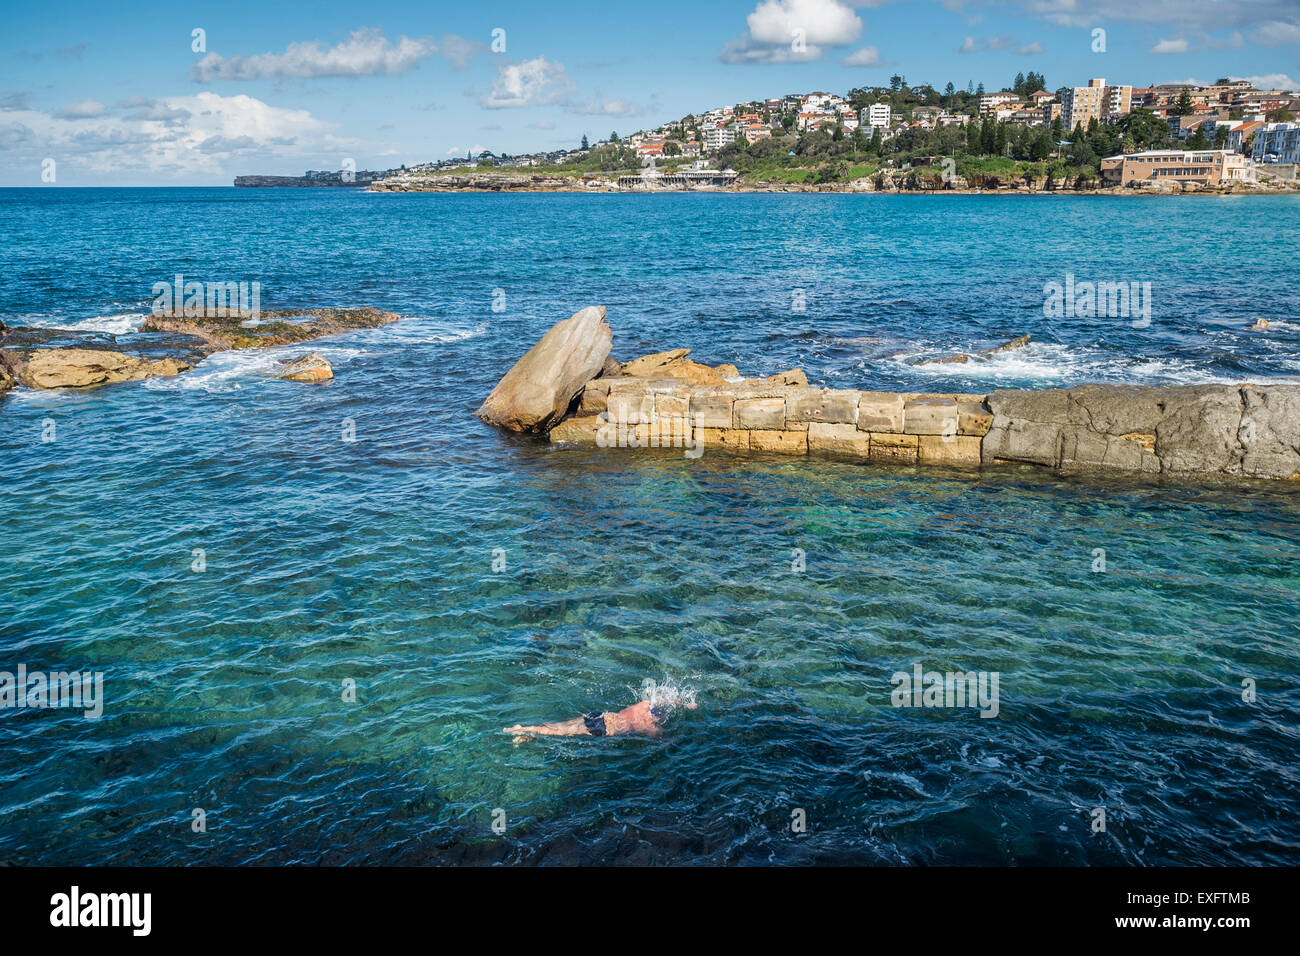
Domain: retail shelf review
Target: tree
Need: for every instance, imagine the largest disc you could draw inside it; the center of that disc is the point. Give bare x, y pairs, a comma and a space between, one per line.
585, 144
948, 92
877, 142
1279, 115
979, 90
1220, 136
1041, 148
895, 82
1184, 106
613, 137
1197, 140
1019, 85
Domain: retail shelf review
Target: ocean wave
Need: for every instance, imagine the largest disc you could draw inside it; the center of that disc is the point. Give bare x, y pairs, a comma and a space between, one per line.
122, 323
228, 371
1048, 364
422, 330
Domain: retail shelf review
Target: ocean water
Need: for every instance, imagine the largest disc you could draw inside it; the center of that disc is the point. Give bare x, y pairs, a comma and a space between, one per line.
464, 580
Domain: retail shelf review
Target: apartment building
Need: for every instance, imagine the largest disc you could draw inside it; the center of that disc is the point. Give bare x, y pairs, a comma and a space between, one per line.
1081, 104
717, 137
989, 101
1277, 143
876, 115
1210, 167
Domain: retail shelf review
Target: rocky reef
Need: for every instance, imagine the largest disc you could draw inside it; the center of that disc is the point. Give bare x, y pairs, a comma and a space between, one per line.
664, 401
169, 344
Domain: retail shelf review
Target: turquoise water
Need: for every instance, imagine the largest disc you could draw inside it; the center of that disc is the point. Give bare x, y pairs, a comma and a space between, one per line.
372, 560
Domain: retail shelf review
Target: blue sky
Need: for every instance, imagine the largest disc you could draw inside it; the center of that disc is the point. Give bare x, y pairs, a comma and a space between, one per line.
119, 96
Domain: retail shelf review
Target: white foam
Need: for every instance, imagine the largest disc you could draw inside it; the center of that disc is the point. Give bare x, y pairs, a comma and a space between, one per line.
422, 330
228, 371
668, 694
122, 323
1054, 364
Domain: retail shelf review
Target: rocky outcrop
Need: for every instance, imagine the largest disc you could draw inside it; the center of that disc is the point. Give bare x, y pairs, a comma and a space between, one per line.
675, 364
312, 367
539, 389
244, 330
168, 345
81, 368
1246, 430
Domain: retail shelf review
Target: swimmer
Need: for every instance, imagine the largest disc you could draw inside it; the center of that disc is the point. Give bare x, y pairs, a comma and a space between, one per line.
641, 718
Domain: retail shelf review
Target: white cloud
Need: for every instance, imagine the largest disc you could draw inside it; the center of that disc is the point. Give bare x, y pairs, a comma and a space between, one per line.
867, 56
1171, 46
531, 83
600, 107
367, 52
1186, 14
1277, 33
1030, 49
987, 44
542, 124
86, 109
1272, 81
205, 136
793, 31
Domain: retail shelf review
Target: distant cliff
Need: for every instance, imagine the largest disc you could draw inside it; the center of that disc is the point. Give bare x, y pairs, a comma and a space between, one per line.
359, 178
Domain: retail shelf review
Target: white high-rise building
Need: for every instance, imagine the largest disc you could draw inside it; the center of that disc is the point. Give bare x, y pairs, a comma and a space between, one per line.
876, 115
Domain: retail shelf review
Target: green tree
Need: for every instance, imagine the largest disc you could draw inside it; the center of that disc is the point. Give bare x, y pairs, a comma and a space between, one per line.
1184, 105
1197, 140
1279, 115
585, 144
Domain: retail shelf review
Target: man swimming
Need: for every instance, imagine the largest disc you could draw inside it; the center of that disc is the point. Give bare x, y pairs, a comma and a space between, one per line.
641, 718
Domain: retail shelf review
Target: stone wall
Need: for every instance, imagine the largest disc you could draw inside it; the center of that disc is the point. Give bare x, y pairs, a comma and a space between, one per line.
1245, 431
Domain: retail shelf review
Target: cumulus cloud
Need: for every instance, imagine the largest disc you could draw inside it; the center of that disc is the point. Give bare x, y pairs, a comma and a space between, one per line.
1272, 81
367, 52
86, 109
12, 100
1030, 49
179, 137
534, 82
867, 56
793, 31
1171, 46
542, 124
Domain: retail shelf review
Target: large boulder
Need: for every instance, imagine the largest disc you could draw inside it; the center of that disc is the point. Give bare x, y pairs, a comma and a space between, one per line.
538, 390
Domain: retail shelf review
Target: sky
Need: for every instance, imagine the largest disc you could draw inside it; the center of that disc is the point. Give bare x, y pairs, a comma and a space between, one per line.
95, 94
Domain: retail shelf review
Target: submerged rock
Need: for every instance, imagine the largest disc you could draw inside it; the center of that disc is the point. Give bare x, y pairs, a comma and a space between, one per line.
961, 357
312, 367
537, 391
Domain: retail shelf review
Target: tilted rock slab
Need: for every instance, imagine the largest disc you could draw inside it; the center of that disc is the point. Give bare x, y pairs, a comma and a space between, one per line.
537, 391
